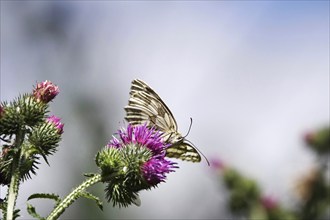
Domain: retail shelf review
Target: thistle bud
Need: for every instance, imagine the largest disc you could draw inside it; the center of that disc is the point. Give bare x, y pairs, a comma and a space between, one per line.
45, 91
47, 135
31, 110
56, 122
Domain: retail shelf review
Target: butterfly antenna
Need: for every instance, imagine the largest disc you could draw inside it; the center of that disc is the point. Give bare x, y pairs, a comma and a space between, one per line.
191, 121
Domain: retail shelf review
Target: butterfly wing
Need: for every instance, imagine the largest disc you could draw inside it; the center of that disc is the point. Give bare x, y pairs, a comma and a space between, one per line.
145, 106
184, 151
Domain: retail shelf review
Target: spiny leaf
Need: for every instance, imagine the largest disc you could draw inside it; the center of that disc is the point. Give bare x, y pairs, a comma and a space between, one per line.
32, 211
52, 196
97, 200
28, 166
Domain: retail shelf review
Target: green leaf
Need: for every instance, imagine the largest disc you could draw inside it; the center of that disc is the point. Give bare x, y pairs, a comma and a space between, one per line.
46, 196
32, 211
88, 195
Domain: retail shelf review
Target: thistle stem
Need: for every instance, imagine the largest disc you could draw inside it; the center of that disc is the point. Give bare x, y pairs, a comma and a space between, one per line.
12, 195
74, 195
15, 178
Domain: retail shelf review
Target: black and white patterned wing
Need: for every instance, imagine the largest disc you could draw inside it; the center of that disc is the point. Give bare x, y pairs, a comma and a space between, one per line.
145, 106
183, 151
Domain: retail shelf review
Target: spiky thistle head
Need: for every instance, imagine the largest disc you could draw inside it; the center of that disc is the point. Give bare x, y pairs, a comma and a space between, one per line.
132, 162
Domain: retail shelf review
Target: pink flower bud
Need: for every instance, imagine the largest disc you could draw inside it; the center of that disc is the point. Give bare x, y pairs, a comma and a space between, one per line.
45, 91
57, 123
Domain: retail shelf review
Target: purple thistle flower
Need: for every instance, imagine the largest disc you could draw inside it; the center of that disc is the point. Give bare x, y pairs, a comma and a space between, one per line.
45, 91
155, 169
56, 122
141, 135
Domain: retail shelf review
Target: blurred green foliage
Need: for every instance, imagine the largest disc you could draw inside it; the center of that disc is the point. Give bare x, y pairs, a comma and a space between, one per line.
246, 198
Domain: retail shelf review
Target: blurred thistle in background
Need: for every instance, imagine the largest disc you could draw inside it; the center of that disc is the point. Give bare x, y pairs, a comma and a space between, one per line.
253, 75
313, 201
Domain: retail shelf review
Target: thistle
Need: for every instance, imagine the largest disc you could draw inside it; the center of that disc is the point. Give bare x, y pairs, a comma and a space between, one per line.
134, 162
27, 136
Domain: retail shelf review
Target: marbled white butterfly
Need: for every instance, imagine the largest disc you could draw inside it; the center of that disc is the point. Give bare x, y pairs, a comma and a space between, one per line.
145, 106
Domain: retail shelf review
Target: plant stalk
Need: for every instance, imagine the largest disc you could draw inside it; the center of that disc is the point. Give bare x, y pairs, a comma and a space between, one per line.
15, 178
74, 195
12, 195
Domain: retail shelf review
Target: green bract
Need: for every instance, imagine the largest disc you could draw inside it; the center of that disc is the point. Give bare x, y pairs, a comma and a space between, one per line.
121, 170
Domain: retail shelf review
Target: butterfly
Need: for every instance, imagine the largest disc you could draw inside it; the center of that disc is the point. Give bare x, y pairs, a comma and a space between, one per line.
146, 107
